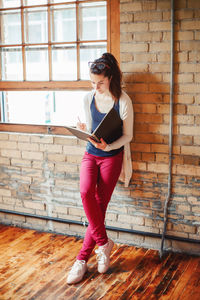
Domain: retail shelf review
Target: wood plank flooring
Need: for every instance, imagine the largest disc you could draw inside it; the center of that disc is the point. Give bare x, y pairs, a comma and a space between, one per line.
34, 266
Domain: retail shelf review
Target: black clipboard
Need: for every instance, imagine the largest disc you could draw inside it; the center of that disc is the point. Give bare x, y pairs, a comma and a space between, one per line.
110, 129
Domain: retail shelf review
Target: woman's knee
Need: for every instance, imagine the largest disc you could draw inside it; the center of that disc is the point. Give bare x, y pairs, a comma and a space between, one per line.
86, 194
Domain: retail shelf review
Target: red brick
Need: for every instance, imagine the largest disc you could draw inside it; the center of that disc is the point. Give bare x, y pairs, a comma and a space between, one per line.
128, 47
157, 148
163, 108
148, 156
134, 27
193, 110
190, 25
187, 120
183, 98
126, 18
191, 160
164, 57
188, 170
183, 78
131, 7
159, 87
140, 147
181, 57
162, 46
197, 78
190, 150
179, 109
184, 35
187, 130
139, 166
147, 36
148, 16
158, 168
158, 128
141, 77
148, 57
148, 98
148, 118
159, 26
148, 108
197, 99
148, 138
161, 5
183, 140
137, 87
149, 5
183, 14
189, 67
126, 38
184, 228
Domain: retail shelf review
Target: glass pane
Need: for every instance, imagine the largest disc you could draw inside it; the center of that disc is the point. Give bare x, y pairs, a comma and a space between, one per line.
63, 20
89, 52
9, 3
93, 21
59, 1
64, 65
43, 107
11, 62
10, 27
34, 2
68, 107
35, 24
37, 63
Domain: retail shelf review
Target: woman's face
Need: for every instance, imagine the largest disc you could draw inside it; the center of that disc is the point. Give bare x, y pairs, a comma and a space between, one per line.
100, 83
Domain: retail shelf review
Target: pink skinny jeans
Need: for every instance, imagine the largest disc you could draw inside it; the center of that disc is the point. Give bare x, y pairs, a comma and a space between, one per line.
98, 178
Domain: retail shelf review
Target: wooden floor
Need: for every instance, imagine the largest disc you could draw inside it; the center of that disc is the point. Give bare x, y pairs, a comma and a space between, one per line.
34, 266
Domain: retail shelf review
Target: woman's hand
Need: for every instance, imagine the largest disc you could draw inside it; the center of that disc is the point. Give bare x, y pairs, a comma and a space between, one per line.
81, 126
102, 145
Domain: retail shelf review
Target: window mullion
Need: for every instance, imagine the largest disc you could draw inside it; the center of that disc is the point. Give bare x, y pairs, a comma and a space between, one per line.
2, 38
77, 41
23, 41
49, 41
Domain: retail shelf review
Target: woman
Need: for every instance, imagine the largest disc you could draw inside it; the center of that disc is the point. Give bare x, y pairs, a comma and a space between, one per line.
102, 162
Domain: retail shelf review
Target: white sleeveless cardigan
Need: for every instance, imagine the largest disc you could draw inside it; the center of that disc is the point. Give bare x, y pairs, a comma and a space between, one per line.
127, 115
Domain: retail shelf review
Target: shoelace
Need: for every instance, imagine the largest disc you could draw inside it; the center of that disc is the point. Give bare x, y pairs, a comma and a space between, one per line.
101, 257
77, 266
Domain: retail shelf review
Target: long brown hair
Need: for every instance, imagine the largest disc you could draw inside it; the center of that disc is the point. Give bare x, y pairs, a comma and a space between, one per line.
108, 66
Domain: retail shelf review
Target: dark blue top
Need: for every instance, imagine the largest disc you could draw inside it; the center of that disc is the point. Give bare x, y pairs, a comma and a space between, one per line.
96, 119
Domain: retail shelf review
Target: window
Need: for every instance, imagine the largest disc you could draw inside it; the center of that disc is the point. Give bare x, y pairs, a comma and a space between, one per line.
45, 47
42, 107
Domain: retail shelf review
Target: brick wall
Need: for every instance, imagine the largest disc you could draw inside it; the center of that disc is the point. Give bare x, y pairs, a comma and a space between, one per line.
40, 174
145, 62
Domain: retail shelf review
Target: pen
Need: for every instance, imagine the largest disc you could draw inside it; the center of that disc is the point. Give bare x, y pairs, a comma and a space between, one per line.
79, 119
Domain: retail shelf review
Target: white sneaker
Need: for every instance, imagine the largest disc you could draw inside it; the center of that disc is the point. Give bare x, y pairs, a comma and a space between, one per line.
103, 256
77, 271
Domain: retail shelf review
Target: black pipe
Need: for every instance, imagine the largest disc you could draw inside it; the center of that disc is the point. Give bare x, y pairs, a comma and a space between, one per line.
117, 229
170, 131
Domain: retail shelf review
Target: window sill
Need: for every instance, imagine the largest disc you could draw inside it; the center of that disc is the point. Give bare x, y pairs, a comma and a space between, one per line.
40, 129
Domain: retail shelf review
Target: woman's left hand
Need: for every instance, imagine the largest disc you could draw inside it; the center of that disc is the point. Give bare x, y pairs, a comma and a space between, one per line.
102, 145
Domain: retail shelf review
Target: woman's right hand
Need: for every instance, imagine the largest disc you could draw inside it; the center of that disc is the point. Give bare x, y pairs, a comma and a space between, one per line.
81, 126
